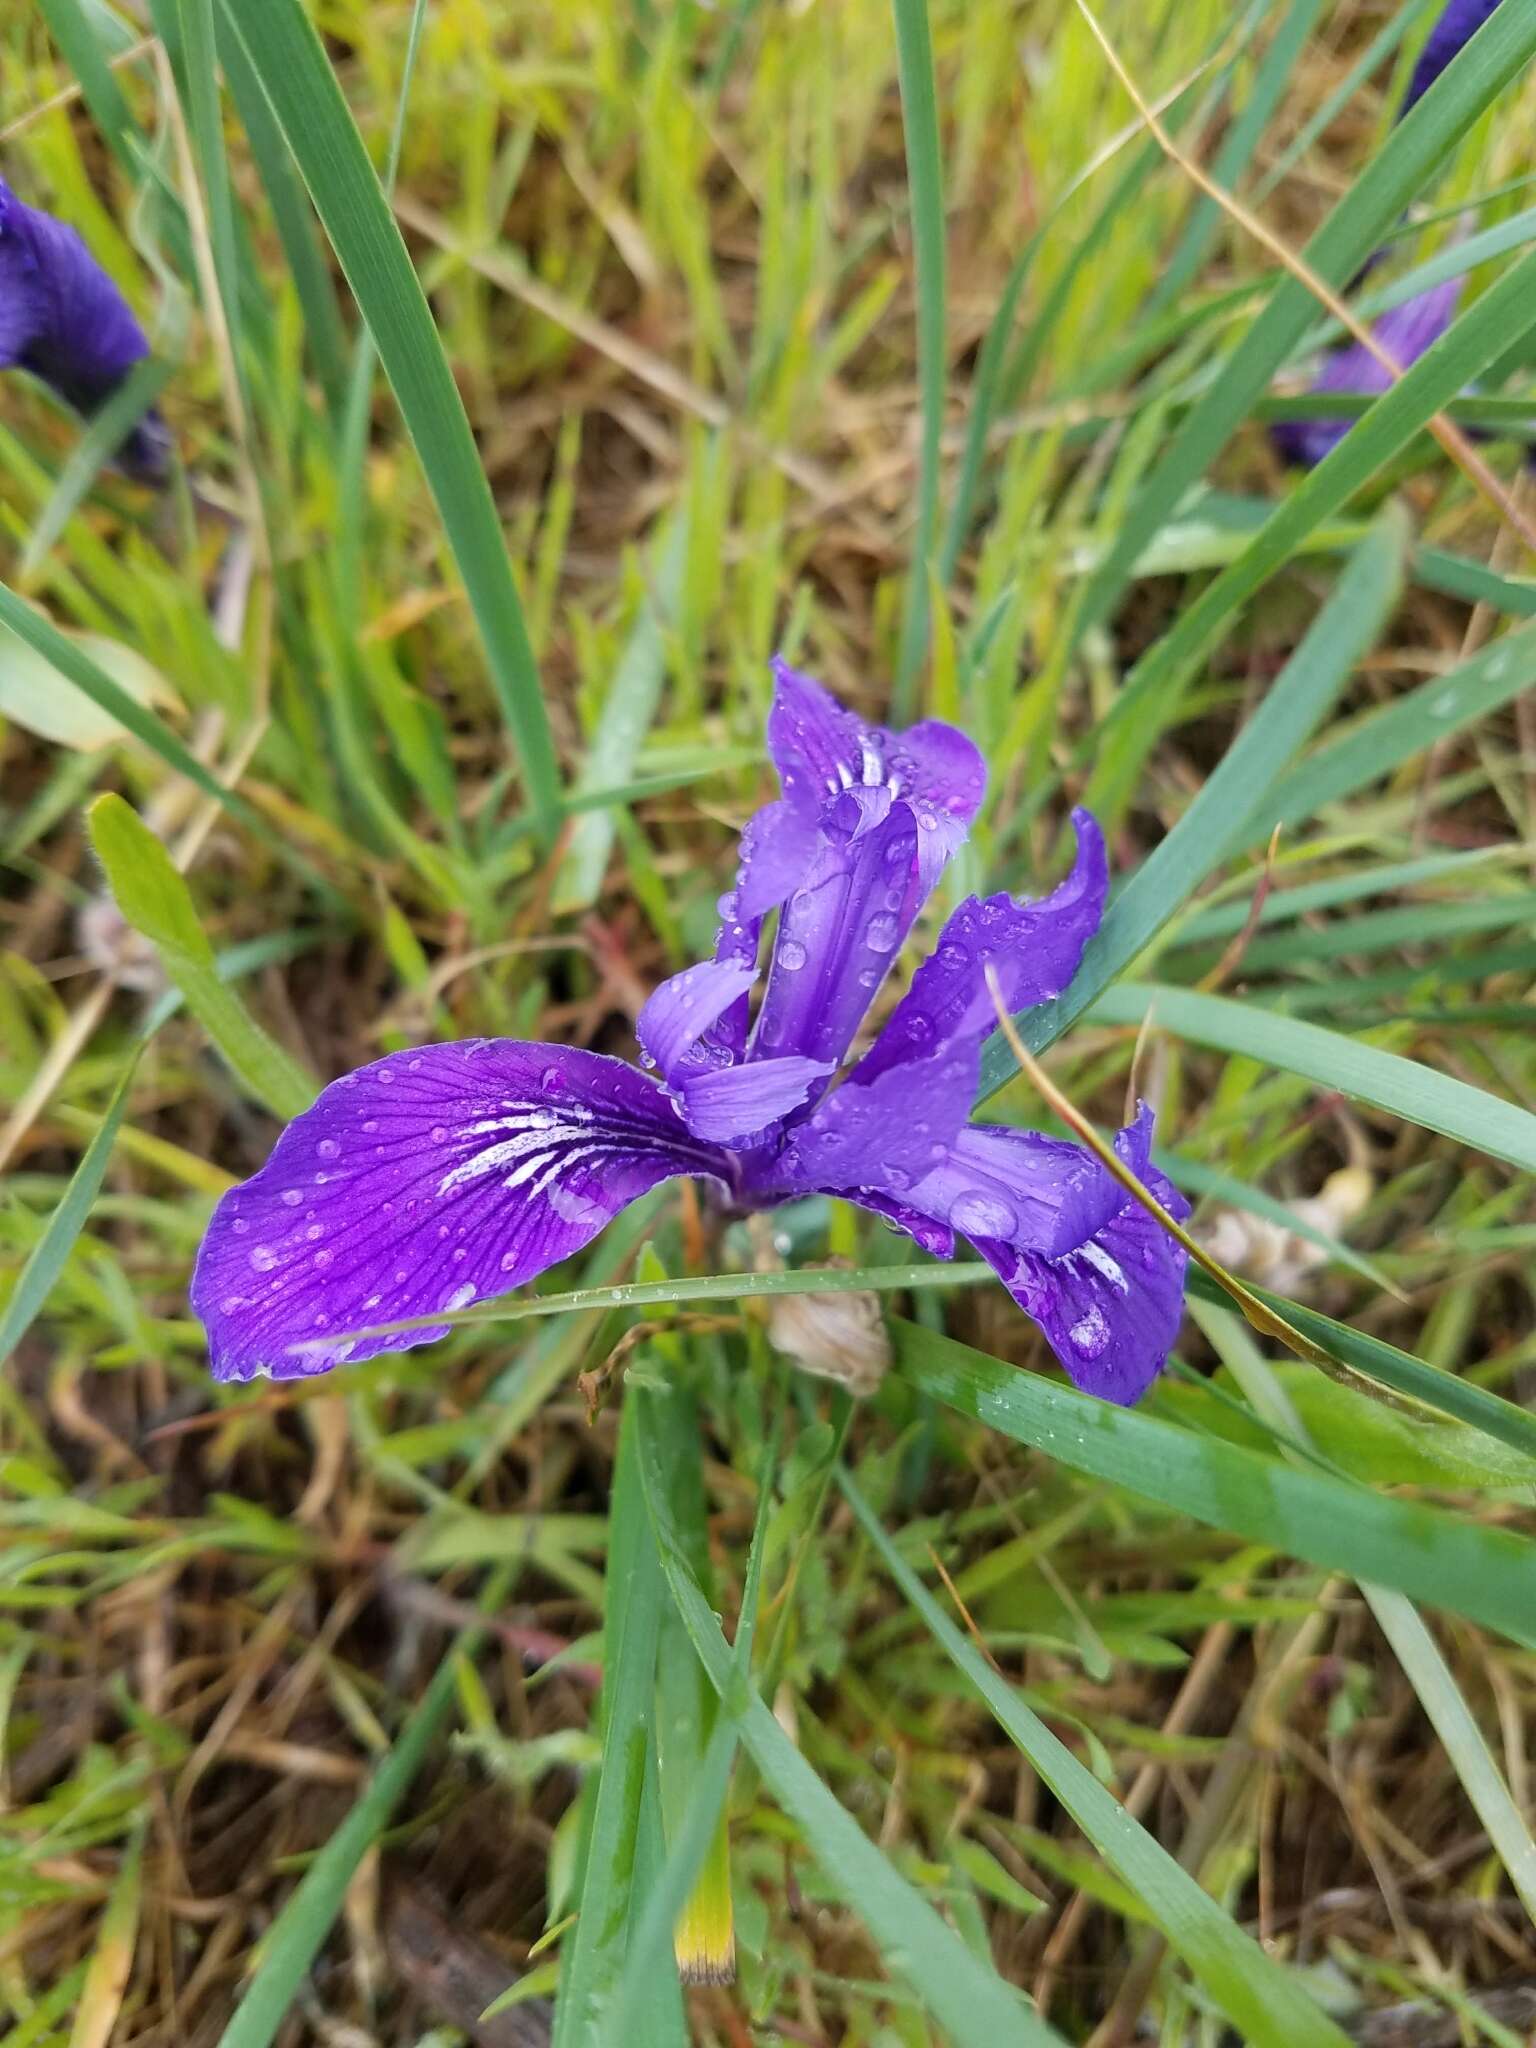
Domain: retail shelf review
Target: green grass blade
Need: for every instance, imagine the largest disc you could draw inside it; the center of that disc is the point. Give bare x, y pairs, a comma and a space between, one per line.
82, 52
1451, 1718
1294, 705
1474, 79
324, 334
156, 901
1483, 1573
39, 1275
1257, 1994
975, 2006
628, 713
1372, 746
1150, 695
592, 1959
289, 60
925, 179
93, 682
1403, 1087
300, 1930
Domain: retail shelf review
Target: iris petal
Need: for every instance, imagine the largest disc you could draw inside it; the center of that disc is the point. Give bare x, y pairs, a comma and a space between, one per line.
63, 318
422, 1183
1033, 947
1406, 333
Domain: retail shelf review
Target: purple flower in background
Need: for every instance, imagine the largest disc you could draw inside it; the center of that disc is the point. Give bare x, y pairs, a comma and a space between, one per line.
1455, 28
432, 1179
1405, 333
62, 318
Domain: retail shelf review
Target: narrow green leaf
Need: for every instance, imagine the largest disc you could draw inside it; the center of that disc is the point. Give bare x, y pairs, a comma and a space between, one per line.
974, 2005
289, 60
592, 1959
93, 682
1257, 1994
1386, 427
1401, 1086
157, 902
1483, 1573
300, 1929
1396, 177
43, 1267
1204, 837
925, 180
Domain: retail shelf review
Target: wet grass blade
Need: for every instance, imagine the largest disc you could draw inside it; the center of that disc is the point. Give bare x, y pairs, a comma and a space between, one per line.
1257, 1994
300, 1930
1403, 1087
39, 1275
1483, 1573
925, 181
1293, 707
157, 902
592, 1959
289, 60
976, 2007
1474, 79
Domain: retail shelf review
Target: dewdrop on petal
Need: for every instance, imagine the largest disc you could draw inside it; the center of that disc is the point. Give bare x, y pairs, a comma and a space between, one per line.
839, 1337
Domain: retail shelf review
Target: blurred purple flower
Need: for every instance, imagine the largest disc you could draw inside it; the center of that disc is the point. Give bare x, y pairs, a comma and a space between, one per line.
1455, 28
1405, 333
62, 318
432, 1179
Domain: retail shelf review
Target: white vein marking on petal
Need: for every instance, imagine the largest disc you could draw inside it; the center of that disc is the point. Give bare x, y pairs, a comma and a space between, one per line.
844, 775
874, 767
531, 1137
1101, 1262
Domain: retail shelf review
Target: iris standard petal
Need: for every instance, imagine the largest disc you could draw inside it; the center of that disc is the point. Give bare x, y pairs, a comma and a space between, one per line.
735, 1105
882, 812
424, 1182
1456, 27
1033, 947
677, 1027
63, 318
1406, 333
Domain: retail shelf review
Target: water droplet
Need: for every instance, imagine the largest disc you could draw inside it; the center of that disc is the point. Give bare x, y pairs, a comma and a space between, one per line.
1090, 1334
881, 933
263, 1258
897, 1177
870, 978
459, 1253
508, 1261
386, 1077
293, 1197
461, 1297
370, 1124
979, 1215
894, 898
231, 1302
328, 1148
323, 1257
239, 1226
313, 1232
552, 1081
439, 1134
952, 955
919, 1030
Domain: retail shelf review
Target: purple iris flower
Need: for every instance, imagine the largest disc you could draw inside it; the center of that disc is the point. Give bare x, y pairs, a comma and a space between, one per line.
62, 318
1455, 28
1405, 333
432, 1179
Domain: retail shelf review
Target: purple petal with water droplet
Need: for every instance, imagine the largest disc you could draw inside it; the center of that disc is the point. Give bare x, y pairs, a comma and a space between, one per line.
1033, 947
733, 1105
424, 1182
676, 1027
